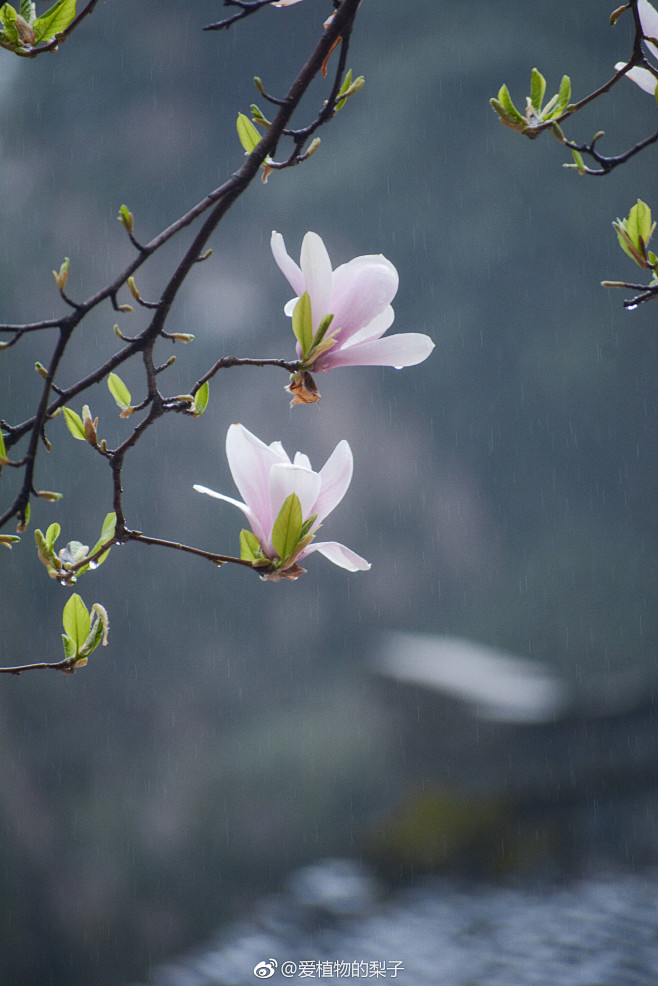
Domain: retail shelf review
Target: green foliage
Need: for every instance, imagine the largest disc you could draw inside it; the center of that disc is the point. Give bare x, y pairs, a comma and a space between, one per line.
54, 21
287, 530
23, 29
348, 88
74, 424
302, 324
126, 218
120, 393
634, 234
535, 116
250, 549
201, 399
82, 632
75, 552
249, 136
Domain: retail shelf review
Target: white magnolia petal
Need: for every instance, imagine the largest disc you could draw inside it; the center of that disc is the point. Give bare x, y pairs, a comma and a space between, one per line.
285, 479
404, 349
316, 268
649, 22
336, 476
249, 514
362, 289
339, 555
302, 460
642, 77
250, 462
374, 329
286, 264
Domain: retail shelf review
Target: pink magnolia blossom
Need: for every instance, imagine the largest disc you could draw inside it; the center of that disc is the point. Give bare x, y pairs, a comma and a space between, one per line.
643, 77
265, 476
358, 295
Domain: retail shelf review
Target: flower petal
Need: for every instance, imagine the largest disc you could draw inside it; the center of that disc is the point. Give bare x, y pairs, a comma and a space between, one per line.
286, 264
339, 555
643, 78
404, 349
362, 289
649, 22
250, 462
285, 479
249, 514
316, 268
336, 476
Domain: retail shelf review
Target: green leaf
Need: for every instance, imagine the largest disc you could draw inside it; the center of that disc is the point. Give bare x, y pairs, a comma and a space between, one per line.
578, 158
119, 391
52, 534
54, 20
3, 450
201, 398
638, 225
74, 424
505, 100
302, 324
287, 528
537, 89
8, 17
107, 532
27, 11
126, 218
308, 524
250, 547
563, 96
76, 621
70, 650
249, 136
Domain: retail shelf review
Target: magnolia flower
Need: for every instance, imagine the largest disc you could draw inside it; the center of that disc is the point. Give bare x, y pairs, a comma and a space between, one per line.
642, 77
350, 310
285, 503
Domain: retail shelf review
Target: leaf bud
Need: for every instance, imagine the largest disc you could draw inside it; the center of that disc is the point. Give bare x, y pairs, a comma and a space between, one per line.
312, 147
126, 218
62, 277
41, 370
24, 30
49, 495
90, 424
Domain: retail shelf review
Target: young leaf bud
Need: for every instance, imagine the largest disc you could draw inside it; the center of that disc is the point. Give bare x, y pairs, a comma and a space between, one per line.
41, 370
25, 31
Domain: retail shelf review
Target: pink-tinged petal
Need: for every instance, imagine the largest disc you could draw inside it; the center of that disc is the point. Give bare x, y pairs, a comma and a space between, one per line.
285, 3
336, 476
316, 268
649, 22
375, 329
404, 349
250, 462
643, 78
339, 555
287, 265
362, 289
253, 520
286, 479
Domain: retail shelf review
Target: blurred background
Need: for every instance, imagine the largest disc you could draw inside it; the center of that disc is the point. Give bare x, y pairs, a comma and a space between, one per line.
504, 490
